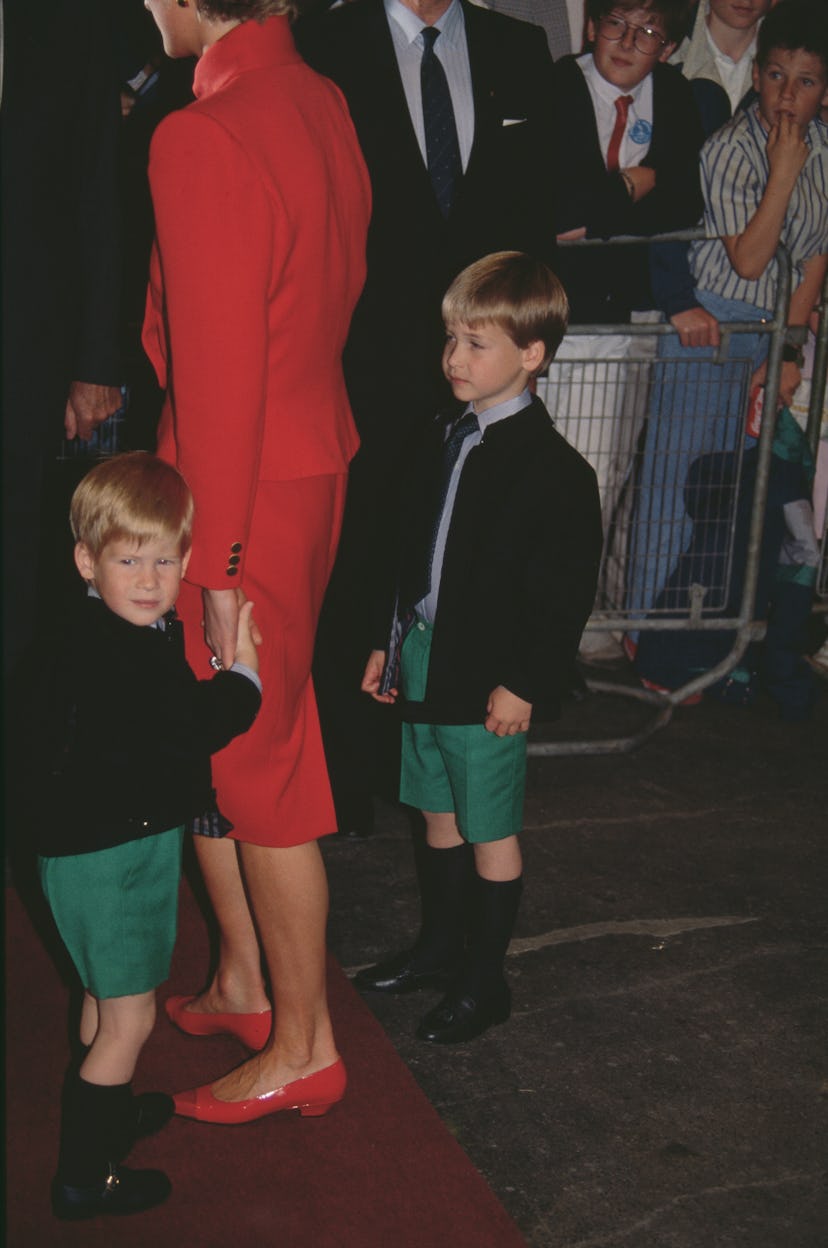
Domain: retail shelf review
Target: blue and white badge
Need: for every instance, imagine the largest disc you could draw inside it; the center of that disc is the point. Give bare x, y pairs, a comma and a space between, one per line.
641, 132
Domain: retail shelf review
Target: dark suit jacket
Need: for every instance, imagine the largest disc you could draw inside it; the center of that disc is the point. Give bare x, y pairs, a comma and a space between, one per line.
61, 235
505, 199
519, 572
123, 732
604, 286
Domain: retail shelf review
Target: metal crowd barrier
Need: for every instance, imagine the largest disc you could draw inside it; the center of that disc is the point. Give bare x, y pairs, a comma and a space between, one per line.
607, 403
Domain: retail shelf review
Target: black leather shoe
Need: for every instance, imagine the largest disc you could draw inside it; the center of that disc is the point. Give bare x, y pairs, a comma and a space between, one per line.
459, 1018
122, 1191
400, 974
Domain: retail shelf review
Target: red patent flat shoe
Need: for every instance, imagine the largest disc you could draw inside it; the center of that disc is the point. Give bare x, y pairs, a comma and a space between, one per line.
252, 1029
312, 1095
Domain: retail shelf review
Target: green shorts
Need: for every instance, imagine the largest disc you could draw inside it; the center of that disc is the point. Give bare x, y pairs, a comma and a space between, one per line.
459, 768
117, 911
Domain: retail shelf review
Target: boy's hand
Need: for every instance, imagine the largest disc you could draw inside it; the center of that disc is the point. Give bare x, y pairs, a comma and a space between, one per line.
507, 713
373, 676
787, 149
643, 181
246, 640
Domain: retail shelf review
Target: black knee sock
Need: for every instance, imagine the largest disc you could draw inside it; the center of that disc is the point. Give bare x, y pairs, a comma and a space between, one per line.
446, 877
494, 912
95, 1129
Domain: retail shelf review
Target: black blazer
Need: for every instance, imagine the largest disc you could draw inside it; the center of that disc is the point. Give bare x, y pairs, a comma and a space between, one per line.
123, 733
505, 199
520, 567
604, 286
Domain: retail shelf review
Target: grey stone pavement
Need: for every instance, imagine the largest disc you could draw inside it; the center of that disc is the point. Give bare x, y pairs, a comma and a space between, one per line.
663, 1080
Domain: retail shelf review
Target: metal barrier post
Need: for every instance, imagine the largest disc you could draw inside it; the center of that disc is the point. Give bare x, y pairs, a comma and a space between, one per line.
742, 624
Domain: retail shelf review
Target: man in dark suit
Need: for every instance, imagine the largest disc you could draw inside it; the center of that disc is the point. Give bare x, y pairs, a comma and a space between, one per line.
499, 76
61, 287
61, 271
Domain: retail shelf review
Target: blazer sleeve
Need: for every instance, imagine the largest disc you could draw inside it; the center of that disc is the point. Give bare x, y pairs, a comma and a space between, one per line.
559, 581
97, 357
215, 243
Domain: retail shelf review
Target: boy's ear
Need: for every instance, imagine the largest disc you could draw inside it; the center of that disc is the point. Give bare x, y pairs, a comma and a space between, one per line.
667, 51
185, 559
533, 356
590, 31
755, 76
84, 561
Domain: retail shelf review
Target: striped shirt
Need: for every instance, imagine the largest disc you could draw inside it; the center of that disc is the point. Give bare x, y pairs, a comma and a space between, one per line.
734, 168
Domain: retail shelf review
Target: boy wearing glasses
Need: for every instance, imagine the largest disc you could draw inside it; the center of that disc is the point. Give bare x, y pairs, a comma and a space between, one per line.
626, 144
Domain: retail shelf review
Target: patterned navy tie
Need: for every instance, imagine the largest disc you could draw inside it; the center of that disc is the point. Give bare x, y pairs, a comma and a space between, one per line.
445, 167
451, 453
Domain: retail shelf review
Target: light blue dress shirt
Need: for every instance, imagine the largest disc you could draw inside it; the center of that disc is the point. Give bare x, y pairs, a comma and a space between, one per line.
452, 53
426, 609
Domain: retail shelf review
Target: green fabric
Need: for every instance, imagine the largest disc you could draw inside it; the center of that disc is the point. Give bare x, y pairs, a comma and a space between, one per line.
459, 768
117, 910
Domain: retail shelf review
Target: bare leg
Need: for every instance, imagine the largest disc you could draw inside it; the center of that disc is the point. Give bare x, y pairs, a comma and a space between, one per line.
123, 1029
499, 861
441, 830
289, 895
88, 1019
237, 986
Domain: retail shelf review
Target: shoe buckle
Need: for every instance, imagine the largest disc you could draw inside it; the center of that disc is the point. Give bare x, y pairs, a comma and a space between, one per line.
112, 1181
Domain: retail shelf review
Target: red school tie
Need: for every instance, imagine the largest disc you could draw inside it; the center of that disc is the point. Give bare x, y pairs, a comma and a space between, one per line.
622, 108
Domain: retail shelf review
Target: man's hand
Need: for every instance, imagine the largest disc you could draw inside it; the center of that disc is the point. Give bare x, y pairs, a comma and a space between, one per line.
88, 406
696, 328
507, 713
373, 676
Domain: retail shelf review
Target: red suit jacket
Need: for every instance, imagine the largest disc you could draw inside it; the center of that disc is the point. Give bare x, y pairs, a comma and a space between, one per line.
262, 204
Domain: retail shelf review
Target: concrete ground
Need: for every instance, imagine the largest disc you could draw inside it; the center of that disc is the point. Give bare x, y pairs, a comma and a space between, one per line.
663, 1080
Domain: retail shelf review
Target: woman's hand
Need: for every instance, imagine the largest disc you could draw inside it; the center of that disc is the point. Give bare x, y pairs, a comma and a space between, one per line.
221, 623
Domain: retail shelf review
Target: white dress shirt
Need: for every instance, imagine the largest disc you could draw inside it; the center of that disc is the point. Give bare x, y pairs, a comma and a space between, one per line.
636, 141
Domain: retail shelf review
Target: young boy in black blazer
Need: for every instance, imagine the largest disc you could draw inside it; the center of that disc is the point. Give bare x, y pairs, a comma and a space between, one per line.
497, 563
125, 732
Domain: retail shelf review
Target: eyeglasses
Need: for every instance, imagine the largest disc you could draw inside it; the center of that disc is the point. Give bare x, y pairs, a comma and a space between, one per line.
645, 38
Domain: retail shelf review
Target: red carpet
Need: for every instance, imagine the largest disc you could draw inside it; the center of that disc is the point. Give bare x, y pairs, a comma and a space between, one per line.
379, 1171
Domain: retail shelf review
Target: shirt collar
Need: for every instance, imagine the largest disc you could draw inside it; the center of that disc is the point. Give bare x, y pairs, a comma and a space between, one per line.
450, 25
509, 407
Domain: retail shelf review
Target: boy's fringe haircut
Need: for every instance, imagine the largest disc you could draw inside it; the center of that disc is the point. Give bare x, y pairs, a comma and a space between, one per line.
133, 496
519, 294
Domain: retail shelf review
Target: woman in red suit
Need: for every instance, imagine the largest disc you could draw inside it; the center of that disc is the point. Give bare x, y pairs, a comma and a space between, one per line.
261, 203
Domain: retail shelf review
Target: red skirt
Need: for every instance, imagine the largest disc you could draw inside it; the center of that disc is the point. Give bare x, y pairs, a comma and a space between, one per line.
272, 782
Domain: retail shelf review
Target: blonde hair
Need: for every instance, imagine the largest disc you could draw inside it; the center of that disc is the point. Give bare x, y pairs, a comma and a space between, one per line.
134, 496
519, 294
